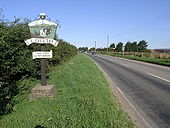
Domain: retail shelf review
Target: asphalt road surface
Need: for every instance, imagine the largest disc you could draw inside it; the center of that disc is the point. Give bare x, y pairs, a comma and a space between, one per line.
146, 87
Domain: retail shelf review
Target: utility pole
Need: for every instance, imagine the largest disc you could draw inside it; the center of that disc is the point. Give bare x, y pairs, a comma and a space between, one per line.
107, 43
95, 46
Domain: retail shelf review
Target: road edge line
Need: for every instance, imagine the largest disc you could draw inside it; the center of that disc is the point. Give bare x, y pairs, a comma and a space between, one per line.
161, 78
113, 85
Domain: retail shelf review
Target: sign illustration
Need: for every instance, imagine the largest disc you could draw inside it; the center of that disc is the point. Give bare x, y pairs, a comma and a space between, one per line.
42, 29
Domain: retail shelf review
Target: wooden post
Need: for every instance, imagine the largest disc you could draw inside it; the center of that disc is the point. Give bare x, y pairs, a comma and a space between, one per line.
43, 65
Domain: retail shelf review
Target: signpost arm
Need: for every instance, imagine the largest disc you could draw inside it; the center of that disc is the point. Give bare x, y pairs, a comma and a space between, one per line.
43, 65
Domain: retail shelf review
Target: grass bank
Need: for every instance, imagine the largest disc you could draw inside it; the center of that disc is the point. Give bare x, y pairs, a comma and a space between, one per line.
164, 62
83, 100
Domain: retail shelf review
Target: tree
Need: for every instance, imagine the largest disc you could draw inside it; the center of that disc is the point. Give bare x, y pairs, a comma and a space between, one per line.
92, 49
83, 49
119, 47
112, 45
86, 49
142, 46
134, 47
131, 47
128, 47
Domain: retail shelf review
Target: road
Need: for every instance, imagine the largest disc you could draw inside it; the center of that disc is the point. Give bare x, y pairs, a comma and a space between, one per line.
145, 86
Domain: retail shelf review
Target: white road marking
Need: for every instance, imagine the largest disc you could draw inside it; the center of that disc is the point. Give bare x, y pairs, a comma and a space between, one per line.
159, 77
142, 62
123, 95
133, 107
125, 64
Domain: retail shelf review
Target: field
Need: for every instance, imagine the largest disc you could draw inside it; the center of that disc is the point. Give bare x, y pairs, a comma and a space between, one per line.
160, 59
83, 100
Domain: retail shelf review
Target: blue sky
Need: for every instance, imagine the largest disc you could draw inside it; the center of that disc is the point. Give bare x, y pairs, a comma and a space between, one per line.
85, 21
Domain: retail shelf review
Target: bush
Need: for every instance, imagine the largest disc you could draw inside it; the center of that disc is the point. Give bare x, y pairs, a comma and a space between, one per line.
62, 52
16, 60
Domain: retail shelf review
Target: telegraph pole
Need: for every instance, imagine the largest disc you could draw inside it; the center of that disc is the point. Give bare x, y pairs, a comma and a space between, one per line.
95, 46
107, 43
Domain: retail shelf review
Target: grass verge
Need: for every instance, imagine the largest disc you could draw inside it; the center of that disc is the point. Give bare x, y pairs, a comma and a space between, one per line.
83, 100
164, 62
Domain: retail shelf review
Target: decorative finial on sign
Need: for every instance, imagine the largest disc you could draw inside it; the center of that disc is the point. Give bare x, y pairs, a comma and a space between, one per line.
42, 16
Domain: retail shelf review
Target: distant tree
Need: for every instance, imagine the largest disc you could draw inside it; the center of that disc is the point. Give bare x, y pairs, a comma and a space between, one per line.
134, 47
112, 45
128, 47
119, 47
142, 46
92, 49
83, 48
86, 49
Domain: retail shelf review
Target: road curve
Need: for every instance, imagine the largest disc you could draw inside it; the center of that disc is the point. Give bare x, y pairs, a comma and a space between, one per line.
146, 87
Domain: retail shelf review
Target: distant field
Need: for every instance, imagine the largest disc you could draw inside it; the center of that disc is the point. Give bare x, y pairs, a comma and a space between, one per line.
155, 59
83, 100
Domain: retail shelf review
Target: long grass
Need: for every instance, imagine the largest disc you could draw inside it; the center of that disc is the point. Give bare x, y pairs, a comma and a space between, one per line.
153, 60
83, 100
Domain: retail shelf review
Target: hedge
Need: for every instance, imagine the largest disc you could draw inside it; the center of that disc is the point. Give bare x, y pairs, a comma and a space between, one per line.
16, 60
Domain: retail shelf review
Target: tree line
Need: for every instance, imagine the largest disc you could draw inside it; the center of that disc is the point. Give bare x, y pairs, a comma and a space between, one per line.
131, 46
140, 46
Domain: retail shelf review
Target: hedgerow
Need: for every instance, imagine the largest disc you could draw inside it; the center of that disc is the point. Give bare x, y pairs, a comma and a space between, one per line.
16, 61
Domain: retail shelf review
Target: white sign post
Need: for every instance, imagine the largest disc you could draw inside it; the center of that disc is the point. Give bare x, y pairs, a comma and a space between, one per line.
42, 54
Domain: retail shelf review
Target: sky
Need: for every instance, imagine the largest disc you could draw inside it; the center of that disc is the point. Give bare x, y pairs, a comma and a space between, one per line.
85, 21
